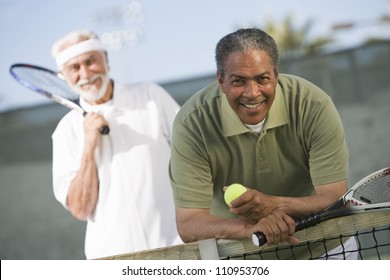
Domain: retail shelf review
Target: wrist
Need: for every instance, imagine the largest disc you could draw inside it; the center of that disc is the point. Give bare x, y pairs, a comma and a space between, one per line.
279, 204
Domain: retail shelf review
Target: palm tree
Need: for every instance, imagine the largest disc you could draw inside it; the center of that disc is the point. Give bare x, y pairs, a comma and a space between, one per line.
293, 41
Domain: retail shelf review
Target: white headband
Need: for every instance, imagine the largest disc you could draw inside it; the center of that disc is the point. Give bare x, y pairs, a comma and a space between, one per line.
77, 49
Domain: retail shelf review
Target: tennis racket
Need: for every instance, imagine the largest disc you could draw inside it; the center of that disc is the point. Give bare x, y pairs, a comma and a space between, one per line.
49, 84
370, 193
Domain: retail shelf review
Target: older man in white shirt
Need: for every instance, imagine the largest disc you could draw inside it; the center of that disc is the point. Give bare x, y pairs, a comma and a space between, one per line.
117, 182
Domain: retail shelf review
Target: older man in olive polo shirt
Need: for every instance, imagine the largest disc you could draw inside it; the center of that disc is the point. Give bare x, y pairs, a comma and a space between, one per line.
278, 135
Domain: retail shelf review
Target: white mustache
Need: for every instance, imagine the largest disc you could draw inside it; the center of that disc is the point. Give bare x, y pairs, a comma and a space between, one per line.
90, 80
93, 93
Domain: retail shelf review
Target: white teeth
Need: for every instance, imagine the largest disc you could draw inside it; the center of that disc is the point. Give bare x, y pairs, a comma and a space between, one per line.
251, 106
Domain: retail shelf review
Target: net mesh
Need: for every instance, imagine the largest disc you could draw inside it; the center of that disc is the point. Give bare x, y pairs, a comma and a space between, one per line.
371, 244
370, 230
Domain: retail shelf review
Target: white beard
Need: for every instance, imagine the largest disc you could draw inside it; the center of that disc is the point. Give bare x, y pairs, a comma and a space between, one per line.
93, 94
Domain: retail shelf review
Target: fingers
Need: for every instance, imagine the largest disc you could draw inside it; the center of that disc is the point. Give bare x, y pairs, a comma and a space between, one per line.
293, 240
92, 123
251, 206
277, 227
242, 201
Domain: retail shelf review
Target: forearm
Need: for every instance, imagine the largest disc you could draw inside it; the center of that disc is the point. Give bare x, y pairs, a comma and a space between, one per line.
325, 195
254, 205
198, 224
299, 206
84, 189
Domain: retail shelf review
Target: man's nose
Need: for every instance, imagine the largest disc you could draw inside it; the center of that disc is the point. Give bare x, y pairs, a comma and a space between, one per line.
84, 71
251, 89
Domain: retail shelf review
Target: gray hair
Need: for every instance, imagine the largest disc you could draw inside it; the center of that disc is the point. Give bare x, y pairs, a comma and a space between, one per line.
71, 39
244, 40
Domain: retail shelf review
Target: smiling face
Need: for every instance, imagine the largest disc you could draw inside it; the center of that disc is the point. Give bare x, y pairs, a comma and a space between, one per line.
87, 74
249, 83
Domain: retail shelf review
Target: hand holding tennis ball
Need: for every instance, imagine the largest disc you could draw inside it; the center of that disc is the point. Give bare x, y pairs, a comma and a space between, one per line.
233, 191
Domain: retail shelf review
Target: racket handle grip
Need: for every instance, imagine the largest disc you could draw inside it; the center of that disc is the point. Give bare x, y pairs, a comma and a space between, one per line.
259, 239
104, 130
307, 222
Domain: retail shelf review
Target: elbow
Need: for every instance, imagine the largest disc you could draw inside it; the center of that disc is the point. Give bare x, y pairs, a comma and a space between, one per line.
80, 214
186, 238
192, 224
78, 211
81, 207
185, 234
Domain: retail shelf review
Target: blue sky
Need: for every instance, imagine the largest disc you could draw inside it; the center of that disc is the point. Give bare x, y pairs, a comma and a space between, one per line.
176, 38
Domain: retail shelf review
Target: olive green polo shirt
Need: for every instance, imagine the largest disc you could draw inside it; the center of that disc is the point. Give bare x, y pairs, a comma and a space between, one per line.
302, 144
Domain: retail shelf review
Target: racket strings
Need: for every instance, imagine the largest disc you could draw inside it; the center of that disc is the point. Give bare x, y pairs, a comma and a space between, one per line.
376, 190
46, 82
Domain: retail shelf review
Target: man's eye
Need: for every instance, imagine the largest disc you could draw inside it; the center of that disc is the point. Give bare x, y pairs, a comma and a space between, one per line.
238, 82
72, 69
262, 80
90, 61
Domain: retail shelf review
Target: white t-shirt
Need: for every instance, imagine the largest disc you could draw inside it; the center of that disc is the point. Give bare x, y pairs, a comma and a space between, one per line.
135, 209
256, 128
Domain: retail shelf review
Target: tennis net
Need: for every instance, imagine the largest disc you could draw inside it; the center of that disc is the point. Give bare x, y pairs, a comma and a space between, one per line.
371, 230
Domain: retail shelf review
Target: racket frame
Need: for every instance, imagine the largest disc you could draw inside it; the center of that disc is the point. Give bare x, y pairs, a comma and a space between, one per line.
336, 209
70, 104
348, 196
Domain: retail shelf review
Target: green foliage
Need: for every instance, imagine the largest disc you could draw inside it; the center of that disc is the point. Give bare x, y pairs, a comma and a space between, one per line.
295, 41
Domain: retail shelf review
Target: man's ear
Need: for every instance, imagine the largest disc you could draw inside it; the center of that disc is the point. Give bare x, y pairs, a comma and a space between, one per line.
107, 61
276, 71
220, 81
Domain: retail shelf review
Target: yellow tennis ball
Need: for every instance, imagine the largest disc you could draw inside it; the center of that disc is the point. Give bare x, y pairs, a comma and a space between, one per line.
233, 192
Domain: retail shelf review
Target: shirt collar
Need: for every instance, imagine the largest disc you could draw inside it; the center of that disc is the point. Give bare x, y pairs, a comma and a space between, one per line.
232, 125
277, 115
